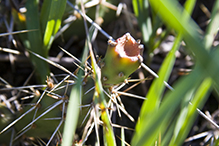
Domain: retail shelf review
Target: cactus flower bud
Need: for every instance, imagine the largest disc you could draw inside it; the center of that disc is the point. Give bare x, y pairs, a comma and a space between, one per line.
122, 58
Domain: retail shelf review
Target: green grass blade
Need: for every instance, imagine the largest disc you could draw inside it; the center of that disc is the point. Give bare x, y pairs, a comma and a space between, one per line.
142, 12
151, 105
51, 16
189, 6
216, 143
188, 114
182, 113
172, 10
159, 120
72, 110
35, 39
167, 134
122, 136
72, 113
191, 113
213, 26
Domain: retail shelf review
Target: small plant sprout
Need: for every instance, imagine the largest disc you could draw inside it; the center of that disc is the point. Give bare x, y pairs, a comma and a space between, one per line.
123, 57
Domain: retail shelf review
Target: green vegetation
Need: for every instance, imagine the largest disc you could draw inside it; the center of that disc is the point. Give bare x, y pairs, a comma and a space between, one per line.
87, 99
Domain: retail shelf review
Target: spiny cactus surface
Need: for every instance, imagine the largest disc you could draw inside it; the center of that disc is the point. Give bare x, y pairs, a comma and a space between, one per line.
123, 57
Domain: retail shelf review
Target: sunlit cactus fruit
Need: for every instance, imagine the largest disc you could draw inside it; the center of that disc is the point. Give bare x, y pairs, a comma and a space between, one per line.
123, 57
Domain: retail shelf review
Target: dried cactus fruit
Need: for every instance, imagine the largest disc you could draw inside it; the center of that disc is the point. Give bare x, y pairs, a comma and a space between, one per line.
123, 57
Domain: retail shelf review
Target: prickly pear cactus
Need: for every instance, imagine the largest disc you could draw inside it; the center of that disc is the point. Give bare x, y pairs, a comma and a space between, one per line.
6, 117
123, 57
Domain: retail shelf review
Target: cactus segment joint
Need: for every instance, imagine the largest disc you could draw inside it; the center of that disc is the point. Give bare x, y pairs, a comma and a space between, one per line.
123, 57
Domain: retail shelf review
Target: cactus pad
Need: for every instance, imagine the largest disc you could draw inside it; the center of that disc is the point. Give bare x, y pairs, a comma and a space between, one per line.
123, 57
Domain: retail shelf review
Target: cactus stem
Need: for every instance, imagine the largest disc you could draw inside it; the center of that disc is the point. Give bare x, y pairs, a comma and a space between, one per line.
122, 58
